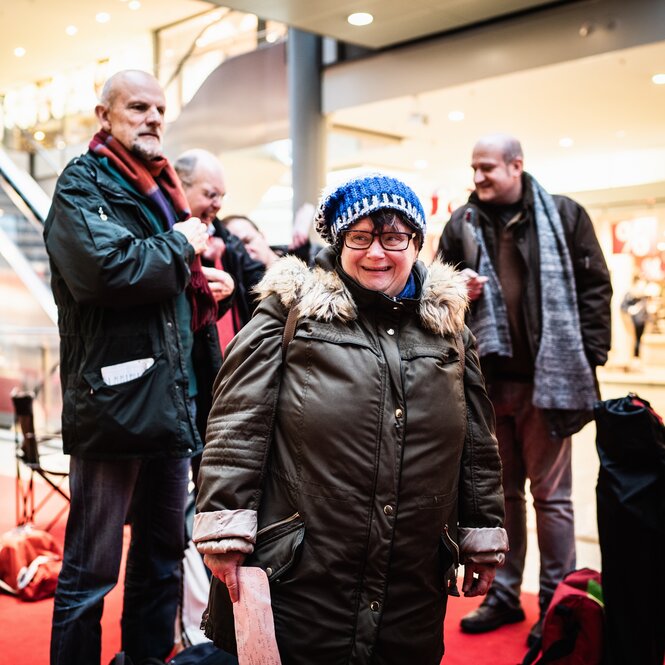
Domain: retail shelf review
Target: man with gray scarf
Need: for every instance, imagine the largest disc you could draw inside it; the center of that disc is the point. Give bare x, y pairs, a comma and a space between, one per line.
540, 293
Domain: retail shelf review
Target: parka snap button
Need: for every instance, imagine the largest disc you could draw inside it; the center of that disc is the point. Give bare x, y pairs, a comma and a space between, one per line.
399, 413
169, 324
390, 331
375, 606
269, 571
388, 510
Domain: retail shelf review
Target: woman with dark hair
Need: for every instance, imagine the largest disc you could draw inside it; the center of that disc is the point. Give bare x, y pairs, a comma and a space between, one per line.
356, 462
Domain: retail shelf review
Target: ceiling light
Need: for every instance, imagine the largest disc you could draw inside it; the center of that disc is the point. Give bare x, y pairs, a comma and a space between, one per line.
19, 51
39, 135
71, 30
360, 18
585, 30
134, 4
271, 37
566, 142
60, 145
456, 116
658, 79
103, 17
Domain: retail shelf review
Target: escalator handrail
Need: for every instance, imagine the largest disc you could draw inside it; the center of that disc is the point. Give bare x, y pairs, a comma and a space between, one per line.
26, 187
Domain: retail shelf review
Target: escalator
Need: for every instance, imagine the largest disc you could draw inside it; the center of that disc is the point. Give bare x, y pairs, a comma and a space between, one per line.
28, 316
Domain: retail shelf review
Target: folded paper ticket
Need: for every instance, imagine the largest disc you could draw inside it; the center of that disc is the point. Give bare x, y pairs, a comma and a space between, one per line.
123, 372
255, 627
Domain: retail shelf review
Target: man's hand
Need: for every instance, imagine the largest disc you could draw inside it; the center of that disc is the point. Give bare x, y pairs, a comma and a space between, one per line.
214, 249
220, 282
477, 578
195, 231
474, 283
224, 568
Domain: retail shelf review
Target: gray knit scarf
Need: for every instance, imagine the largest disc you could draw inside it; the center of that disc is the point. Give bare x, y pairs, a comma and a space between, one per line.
563, 378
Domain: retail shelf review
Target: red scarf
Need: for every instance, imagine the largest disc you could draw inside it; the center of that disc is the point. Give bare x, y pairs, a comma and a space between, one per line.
157, 180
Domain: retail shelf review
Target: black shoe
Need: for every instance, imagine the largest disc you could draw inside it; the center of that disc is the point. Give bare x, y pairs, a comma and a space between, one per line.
490, 615
536, 632
121, 659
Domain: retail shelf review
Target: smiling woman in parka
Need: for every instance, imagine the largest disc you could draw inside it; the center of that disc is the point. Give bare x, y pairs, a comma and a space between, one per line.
350, 465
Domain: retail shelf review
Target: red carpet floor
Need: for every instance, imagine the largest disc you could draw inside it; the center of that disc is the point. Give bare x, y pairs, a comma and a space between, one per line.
25, 627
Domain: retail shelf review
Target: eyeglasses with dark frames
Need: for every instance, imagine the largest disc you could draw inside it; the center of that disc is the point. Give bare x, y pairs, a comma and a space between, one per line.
391, 241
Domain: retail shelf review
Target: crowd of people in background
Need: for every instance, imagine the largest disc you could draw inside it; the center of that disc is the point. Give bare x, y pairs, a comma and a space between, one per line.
355, 421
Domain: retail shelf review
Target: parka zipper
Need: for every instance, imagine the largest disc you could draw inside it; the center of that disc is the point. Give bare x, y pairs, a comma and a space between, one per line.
274, 525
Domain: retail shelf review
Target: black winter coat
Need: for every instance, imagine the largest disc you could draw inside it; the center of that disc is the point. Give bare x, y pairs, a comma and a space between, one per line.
115, 282
246, 273
592, 281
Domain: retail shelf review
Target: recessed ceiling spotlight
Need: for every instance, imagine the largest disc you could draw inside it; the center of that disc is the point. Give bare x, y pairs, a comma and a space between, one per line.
71, 30
658, 79
39, 135
360, 18
19, 51
456, 116
134, 4
103, 17
566, 142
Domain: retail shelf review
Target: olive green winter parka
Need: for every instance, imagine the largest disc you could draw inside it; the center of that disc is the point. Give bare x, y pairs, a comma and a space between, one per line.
345, 469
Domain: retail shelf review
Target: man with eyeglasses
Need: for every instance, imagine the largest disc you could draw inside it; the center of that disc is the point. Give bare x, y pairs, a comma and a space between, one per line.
204, 181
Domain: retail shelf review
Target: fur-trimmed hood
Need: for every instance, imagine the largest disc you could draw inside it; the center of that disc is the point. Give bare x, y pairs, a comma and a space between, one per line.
322, 295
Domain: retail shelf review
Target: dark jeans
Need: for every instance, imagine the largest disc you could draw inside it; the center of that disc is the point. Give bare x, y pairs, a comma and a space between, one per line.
150, 494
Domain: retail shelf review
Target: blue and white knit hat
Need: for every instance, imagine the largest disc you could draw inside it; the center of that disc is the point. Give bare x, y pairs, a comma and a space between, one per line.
363, 195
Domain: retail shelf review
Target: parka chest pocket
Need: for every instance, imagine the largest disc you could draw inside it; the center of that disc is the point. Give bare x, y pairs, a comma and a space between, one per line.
278, 546
105, 231
319, 331
443, 354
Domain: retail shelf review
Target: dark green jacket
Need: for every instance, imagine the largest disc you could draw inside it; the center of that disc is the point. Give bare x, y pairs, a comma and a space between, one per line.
115, 283
356, 458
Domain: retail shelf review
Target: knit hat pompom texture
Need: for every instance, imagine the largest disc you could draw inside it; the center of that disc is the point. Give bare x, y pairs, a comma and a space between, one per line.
362, 195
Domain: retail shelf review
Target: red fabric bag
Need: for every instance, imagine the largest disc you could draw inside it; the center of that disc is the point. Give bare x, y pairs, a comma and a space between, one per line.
30, 562
573, 625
